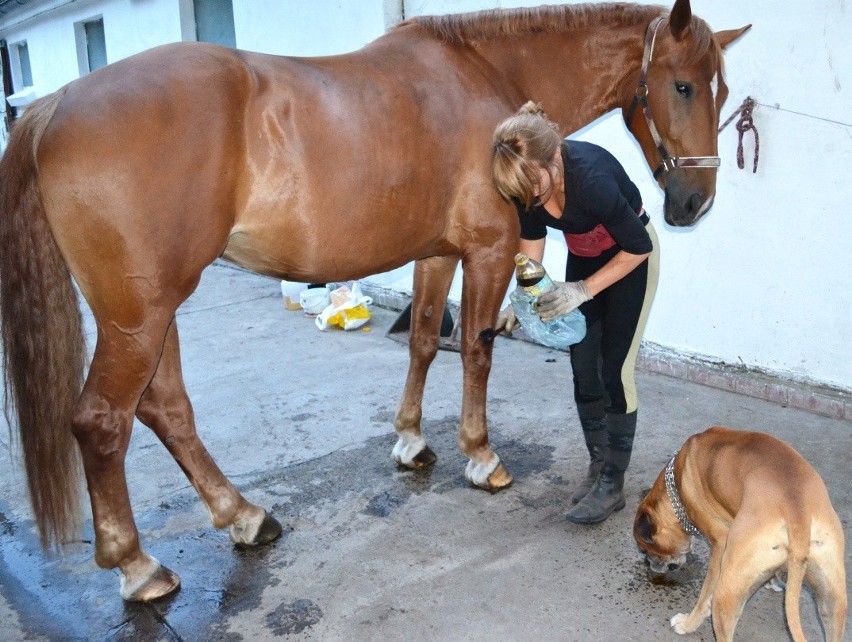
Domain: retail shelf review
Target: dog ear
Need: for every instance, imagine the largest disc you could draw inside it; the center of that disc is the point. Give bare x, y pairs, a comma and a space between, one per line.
644, 528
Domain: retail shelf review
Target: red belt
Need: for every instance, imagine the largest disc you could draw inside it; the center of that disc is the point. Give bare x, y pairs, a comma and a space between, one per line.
593, 242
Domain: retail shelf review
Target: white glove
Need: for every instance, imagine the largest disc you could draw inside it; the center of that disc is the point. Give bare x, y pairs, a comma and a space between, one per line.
506, 321
562, 299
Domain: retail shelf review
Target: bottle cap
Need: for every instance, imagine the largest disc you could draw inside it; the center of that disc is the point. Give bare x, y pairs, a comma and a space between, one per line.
521, 258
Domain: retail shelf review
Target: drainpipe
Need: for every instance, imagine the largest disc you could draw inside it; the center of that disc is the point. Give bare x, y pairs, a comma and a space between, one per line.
394, 13
9, 112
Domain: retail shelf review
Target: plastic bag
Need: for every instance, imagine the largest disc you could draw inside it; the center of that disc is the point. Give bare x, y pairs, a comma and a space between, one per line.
347, 310
291, 291
559, 333
314, 300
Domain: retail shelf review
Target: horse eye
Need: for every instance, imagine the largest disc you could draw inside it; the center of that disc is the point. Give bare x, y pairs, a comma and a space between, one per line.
683, 89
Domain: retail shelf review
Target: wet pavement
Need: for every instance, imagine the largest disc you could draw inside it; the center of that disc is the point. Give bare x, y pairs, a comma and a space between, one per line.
302, 423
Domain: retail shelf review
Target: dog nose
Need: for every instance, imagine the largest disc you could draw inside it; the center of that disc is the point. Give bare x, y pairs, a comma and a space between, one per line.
672, 566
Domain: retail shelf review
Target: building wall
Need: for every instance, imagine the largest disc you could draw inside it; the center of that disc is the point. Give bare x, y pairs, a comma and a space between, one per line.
761, 282
48, 28
316, 28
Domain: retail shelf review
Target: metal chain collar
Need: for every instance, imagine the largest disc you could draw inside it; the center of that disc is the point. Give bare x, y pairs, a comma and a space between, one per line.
674, 498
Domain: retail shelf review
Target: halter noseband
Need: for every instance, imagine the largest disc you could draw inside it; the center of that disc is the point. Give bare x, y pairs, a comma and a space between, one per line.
641, 98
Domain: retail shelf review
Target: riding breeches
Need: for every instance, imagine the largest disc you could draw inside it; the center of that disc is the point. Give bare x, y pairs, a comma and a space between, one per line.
604, 362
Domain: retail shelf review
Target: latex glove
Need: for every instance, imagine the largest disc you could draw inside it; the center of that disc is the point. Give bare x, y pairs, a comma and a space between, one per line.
506, 321
562, 299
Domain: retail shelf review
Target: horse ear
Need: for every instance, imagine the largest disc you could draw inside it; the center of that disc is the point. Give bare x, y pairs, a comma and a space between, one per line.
724, 38
680, 18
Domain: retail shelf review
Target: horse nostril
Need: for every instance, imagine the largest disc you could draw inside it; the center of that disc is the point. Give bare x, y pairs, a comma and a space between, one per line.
695, 203
684, 205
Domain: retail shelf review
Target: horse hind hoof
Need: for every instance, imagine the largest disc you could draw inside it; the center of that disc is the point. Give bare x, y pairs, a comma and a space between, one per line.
268, 531
160, 583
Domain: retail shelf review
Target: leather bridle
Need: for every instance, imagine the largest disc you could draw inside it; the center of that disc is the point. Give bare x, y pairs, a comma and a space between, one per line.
640, 98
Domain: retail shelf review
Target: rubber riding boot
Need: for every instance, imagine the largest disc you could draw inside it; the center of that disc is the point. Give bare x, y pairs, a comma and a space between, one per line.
605, 497
593, 422
596, 463
607, 494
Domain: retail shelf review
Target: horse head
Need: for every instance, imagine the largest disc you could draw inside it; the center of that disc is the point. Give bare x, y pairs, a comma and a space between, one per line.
674, 112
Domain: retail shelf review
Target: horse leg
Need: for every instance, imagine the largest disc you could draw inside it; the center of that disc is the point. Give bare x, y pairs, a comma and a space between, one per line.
432, 279
486, 277
166, 409
121, 368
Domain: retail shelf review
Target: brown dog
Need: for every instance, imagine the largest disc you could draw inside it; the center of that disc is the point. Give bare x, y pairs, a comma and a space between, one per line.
762, 508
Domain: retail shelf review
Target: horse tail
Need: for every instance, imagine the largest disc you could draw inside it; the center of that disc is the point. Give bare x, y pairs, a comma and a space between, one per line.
43, 345
799, 534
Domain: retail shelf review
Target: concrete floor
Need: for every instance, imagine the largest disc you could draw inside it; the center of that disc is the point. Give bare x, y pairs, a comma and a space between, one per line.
302, 422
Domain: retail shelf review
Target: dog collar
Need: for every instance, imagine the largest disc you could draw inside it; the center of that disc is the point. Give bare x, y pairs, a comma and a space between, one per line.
674, 498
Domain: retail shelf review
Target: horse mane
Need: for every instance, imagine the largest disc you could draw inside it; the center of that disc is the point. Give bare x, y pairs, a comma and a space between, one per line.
493, 24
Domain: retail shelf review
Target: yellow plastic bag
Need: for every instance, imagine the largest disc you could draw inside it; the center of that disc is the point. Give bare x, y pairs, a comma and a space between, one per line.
348, 309
350, 318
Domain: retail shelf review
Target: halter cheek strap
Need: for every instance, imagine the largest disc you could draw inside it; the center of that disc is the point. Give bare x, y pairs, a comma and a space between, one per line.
640, 98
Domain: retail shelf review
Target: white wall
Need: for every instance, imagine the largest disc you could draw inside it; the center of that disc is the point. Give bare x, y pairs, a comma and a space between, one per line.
762, 281
769, 269
315, 28
320, 27
129, 27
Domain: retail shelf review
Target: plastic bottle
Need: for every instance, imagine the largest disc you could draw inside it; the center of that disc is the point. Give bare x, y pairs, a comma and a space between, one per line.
532, 276
533, 281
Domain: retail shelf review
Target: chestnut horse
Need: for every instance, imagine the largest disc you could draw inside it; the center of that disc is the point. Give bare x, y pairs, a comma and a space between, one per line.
136, 177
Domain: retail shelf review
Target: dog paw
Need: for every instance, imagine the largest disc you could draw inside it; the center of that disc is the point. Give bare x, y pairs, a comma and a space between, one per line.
677, 623
775, 584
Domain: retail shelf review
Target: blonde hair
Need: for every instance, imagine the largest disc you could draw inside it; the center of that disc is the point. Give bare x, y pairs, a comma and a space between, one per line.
522, 144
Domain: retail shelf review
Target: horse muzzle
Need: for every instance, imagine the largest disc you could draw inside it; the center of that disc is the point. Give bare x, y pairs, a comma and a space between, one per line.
685, 203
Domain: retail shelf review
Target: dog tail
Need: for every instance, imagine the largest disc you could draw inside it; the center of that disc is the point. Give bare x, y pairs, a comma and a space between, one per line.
797, 561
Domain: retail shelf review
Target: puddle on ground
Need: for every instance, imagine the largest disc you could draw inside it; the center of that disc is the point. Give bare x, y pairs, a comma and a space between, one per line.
69, 598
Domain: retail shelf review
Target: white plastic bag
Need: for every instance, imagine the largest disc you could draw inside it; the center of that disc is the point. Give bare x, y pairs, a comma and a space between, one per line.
348, 309
291, 291
314, 300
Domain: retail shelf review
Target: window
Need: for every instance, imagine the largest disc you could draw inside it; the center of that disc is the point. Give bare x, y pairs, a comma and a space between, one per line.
91, 45
22, 77
22, 73
95, 44
214, 22
26, 70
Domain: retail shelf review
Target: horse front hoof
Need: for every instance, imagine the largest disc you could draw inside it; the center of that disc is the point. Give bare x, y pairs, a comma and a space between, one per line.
160, 583
500, 478
491, 476
424, 458
412, 452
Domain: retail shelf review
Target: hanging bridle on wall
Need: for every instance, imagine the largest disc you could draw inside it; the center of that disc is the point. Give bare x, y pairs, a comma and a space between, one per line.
641, 98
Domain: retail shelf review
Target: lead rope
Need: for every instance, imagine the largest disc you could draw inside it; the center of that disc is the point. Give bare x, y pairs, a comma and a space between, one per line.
744, 124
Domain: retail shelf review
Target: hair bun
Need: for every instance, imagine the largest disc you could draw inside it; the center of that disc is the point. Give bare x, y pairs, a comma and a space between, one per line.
531, 107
